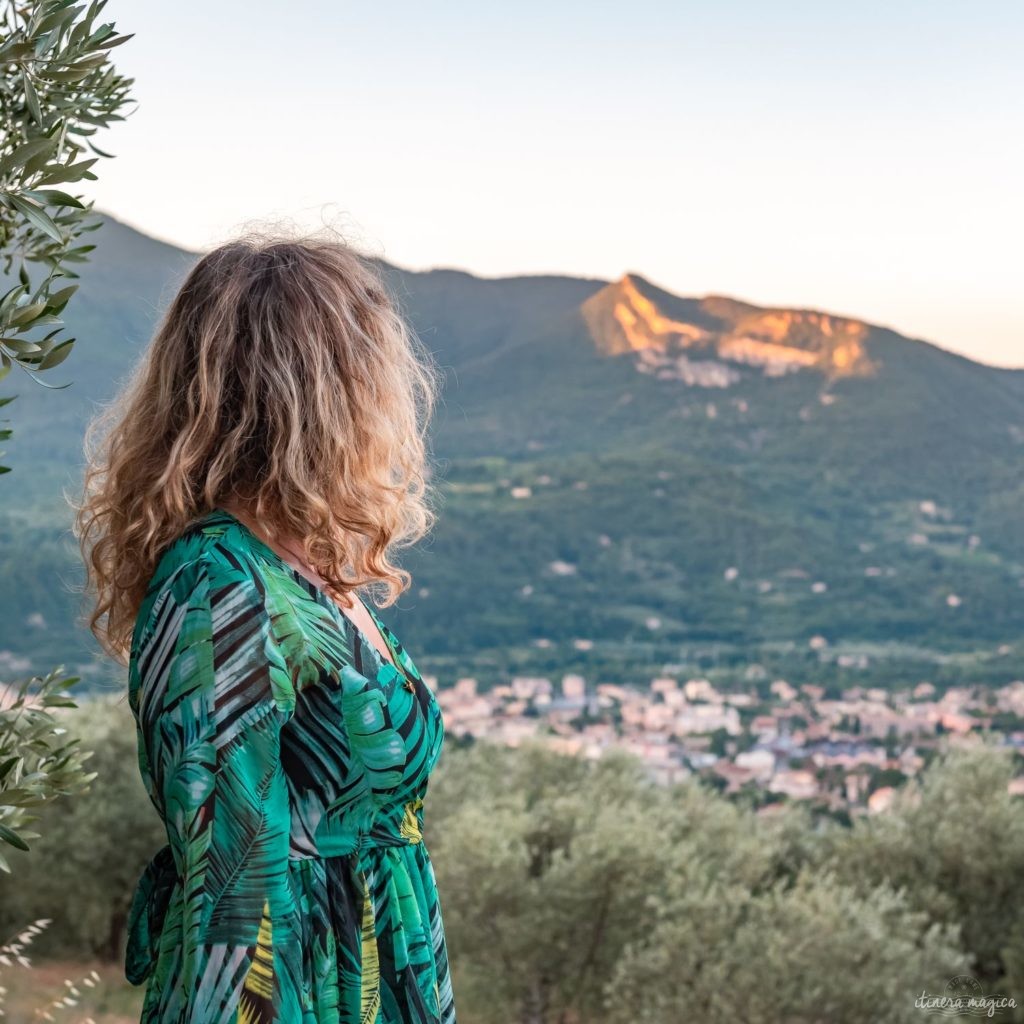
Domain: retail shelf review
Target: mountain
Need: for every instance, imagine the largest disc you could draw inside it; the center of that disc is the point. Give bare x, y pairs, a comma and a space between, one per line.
632, 482
695, 340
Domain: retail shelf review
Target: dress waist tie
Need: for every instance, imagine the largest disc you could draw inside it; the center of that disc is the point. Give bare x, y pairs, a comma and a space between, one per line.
146, 916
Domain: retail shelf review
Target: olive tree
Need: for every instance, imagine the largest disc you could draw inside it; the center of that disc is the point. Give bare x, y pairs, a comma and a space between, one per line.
58, 89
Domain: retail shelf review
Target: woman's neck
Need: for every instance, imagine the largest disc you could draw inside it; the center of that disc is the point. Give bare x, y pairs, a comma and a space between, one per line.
285, 547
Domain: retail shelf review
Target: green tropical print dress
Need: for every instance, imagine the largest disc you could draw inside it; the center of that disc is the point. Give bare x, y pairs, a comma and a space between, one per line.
289, 761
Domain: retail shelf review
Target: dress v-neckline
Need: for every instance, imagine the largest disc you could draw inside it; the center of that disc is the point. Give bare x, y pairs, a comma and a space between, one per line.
355, 629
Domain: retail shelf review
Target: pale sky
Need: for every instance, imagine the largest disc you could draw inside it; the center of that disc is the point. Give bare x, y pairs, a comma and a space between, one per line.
862, 158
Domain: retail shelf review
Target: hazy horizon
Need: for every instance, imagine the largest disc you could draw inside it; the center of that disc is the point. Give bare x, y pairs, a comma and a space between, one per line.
864, 162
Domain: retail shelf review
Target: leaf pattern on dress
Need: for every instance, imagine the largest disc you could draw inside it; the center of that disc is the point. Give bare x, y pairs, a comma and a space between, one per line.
257, 1004
288, 760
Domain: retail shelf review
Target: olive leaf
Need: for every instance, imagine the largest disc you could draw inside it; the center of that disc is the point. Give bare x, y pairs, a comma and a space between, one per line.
58, 89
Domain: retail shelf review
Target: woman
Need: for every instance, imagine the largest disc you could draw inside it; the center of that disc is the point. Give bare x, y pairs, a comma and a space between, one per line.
265, 460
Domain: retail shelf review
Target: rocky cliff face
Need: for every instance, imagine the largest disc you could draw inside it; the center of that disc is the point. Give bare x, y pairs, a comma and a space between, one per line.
703, 341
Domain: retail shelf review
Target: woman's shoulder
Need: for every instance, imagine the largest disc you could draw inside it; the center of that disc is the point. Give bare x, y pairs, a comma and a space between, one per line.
206, 563
211, 577
203, 550
213, 616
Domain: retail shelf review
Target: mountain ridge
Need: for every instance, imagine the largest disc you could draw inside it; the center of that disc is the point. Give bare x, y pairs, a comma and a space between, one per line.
709, 300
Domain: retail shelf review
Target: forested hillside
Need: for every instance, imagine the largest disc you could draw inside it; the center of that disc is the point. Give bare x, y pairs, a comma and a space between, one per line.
630, 481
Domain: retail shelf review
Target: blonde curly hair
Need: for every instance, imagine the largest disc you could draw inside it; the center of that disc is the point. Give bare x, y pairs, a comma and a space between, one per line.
282, 378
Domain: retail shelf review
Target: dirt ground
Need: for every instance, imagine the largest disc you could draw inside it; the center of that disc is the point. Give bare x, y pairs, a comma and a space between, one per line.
68, 993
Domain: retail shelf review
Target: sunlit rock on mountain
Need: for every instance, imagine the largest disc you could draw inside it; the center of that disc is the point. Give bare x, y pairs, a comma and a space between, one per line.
702, 341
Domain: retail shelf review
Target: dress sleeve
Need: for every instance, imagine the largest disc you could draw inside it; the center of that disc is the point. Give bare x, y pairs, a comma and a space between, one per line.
228, 687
